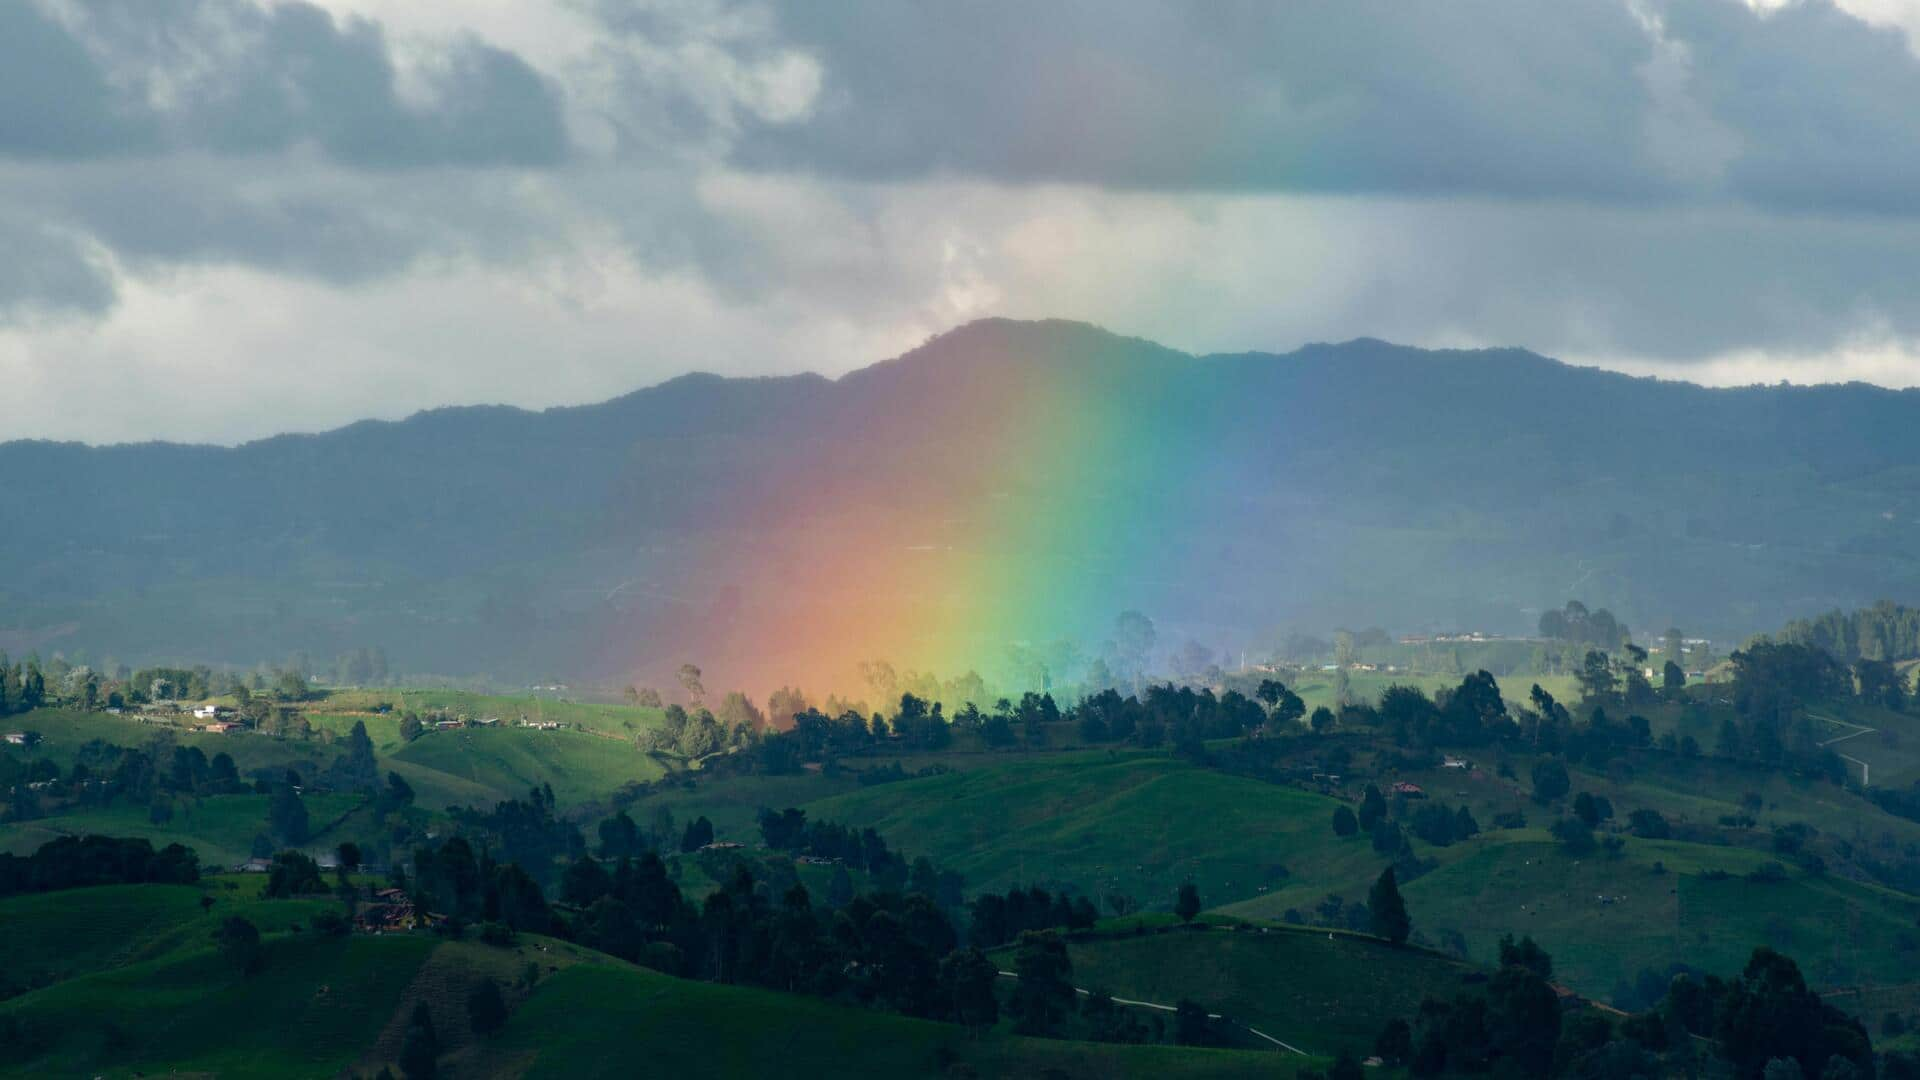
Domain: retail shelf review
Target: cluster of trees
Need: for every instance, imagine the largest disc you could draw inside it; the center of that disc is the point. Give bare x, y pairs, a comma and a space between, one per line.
621, 836
893, 950
1886, 632
362, 667
526, 831
1783, 676
1548, 727
22, 686
103, 772
72, 862
1766, 1022
789, 831
1472, 714
30, 685
862, 849
997, 919
1576, 625
700, 733
1434, 822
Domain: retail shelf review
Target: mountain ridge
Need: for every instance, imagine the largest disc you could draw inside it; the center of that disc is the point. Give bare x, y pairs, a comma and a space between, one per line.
1062, 473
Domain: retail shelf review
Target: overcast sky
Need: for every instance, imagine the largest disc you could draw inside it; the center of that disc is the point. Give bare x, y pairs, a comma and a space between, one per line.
225, 218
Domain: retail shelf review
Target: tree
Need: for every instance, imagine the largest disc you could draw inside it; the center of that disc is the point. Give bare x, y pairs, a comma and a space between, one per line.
486, 1008
1133, 640
1043, 996
967, 977
1344, 823
294, 874
1673, 678
410, 727
1190, 1024
1322, 721
1387, 911
1523, 1019
1342, 662
287, 816
689, 678
1650, 824
783, 705
1575, 835
1550, 780
1394, 1044
1187, 904
1373, 807
420, 1048
1387, 837
1597, 679
698, 835
239, 942
1770, 1014
1346, 1068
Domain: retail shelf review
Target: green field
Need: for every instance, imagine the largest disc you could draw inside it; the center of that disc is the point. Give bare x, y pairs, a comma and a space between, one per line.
1318, 990
56, 936
1603, 920
508, 709
219, 828
1109, 824
484, 765
143, 992
599, 1020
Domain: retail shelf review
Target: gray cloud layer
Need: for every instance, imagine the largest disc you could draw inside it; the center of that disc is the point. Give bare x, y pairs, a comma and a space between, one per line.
132, 77
1638, 182
1806, 108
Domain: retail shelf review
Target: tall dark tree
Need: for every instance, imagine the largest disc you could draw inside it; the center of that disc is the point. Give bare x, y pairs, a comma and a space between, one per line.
1190, 1024
1386, 911
420, 1046
486, 1009
966, 979
239, 942
287, 816
1043, 997
1187, 903
1344, 823
1373, 807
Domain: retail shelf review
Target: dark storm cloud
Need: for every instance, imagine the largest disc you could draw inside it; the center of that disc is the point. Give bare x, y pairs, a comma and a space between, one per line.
129, 77
1583, 99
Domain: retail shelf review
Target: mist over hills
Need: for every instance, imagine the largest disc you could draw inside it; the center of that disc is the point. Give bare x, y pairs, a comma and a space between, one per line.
1005, 482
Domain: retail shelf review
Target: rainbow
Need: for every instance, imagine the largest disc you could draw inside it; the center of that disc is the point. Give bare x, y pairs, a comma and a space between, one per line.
1005, 544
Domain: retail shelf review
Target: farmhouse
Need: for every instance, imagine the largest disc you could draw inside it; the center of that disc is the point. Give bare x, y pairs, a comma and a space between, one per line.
221, 727
391, 911
211, 712
448, 725
17, 738
1411, 791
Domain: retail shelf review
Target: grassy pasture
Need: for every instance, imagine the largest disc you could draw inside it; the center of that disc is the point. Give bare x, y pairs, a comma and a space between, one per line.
597, 1020
1321, 991
305, 1013
488, 764
220, 828
1137, 826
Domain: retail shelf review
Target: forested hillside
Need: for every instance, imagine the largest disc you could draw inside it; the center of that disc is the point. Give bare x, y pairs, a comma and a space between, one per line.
1007, 481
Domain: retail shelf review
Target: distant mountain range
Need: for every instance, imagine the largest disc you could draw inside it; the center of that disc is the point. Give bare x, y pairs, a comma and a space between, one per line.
1005, 483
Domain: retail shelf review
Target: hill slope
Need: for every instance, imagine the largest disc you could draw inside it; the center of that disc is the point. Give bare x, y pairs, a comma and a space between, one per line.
1005, 482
